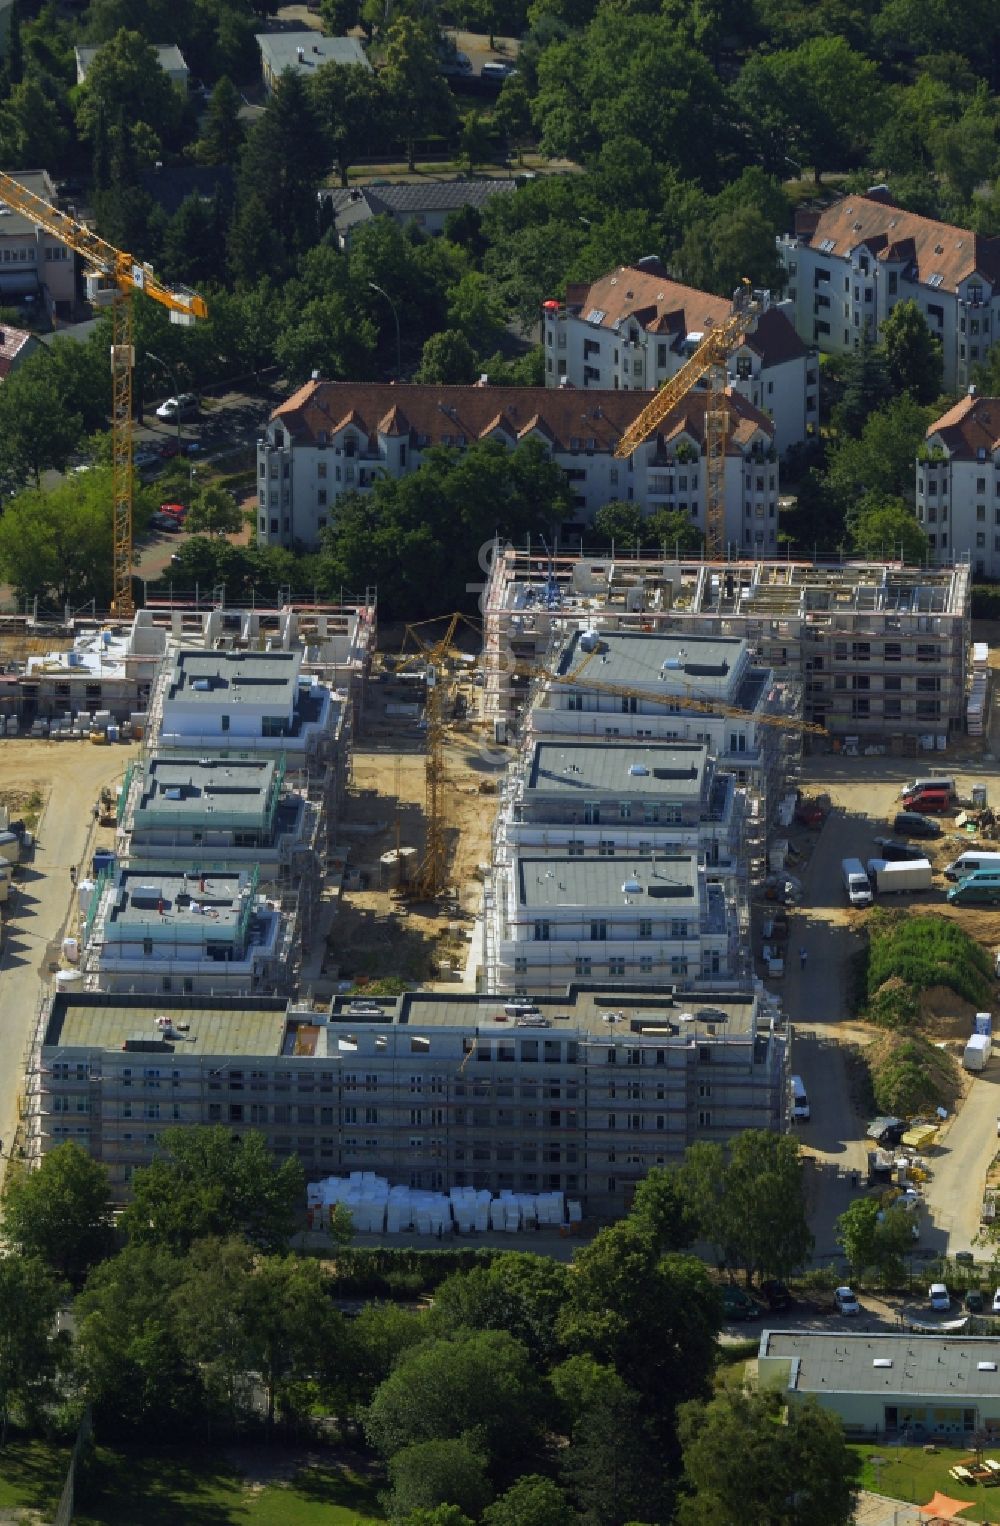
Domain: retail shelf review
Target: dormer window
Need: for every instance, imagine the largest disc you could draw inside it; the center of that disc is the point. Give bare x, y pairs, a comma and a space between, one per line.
350, 445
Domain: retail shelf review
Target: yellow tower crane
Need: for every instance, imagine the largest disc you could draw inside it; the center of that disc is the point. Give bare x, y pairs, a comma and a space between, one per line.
430, 877
128, 275
709, 359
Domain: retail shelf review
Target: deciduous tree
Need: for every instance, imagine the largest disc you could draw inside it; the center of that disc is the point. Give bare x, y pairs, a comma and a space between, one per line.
353, 109
430, 1474
420, 97
60, 1213
884, 528
447, 357
913, 354
31, 1350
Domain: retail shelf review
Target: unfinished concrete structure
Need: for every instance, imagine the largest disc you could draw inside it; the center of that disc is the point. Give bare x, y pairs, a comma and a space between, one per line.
427, 1089
879, 651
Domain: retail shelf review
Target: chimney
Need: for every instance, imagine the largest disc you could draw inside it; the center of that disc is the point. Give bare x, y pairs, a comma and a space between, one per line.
315, 47
300, 53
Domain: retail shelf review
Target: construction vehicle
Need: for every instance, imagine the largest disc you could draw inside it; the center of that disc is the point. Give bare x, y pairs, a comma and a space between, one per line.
709, 359
127, 275
429, 882
107, 813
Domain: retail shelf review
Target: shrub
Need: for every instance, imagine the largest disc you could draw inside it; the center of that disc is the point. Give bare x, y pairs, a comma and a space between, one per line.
921, 952
910, 1075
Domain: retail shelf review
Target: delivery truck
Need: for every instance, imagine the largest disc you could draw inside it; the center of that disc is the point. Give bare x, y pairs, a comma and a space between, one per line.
859, 890
900, 875
977, 1051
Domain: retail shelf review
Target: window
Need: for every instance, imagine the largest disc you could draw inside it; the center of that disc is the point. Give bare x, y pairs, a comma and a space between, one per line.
542, 932
645, 927
616, 967
598, 932
582, 966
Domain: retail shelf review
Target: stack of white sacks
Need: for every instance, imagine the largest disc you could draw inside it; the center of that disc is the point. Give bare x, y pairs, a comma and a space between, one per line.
377, 1208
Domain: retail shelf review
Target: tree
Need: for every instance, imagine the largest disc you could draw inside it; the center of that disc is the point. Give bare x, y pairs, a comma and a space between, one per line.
57, 545
353, 108
913, 354
194, 241
786, 1474
222, 131
447, 357
440, 1515
614, 1465
817, 102
283, 161
129, 1355
728, 244
60, 1213
125, 86
31, 127
881, 460
516, 1292
479, 1382
378, 1338
421, 100
672, 528
750, 1204
476, 140
865, 386
432, 1473
475, 310
885, 527
660, 1213
293, 1334
31, 1350
339, 17
619, 524
204, 1182
532, 1501
38, 430
214, 512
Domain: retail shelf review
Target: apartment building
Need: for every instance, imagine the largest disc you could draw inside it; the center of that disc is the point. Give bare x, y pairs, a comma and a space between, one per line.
584, 800
653, 918
195, 933
874, 651
303, 53
336, 437
34, 266
634, 328
848, 266
958, 485
106, 669
168, 55
430, 1090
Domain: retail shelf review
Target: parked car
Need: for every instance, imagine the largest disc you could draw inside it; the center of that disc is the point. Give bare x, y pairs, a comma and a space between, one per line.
846, 1301
809, 813
183, 406
168, 449
776, 1294
996, 1301
736, 1304
974, 1301
940, 1297
456, 63
897, 852
168, 522
144, 457
178, 510
911, 824
495, 69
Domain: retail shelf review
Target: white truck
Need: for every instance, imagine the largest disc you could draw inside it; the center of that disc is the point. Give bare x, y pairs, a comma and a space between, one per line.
977, 1053
856, 883
900, 874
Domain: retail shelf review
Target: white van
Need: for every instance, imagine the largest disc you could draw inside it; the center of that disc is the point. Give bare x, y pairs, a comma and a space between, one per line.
800, 1102
856, 882
969, 863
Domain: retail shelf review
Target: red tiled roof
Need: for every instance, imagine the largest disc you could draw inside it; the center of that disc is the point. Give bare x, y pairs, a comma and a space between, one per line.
970, 426
12, 342
441, 415
662, 306
936, 248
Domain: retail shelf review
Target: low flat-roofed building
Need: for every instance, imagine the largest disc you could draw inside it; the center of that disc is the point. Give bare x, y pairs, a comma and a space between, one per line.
168, 56
200, 932
245, 702
106, 669
886, 1383
429, 1089
220, 813
304, 52
550, 920
582, 798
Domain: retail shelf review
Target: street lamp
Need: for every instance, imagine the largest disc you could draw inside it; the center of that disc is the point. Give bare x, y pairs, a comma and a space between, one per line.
173, 372
383, 293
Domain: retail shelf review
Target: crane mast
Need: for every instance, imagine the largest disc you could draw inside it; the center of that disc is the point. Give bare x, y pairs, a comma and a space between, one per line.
709, 359
128, 275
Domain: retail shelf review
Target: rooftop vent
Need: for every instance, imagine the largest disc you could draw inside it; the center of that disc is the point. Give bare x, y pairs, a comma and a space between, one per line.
882, 1361
987, 1366
638, 770
631, 886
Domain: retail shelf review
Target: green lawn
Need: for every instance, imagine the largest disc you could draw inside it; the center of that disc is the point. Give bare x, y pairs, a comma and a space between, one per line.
910, 1473
163, 1488
32, 1475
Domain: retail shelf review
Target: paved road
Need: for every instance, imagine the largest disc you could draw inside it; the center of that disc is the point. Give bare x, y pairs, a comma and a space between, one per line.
41, 904
954, 1193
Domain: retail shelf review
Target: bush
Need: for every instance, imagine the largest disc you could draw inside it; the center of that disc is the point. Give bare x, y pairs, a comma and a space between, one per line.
986, 601
920, 952
910, 1075
399, 1274
894, 1005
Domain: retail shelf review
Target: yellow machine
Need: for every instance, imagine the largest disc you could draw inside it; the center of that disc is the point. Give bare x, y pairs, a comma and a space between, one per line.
709, 359
127, 275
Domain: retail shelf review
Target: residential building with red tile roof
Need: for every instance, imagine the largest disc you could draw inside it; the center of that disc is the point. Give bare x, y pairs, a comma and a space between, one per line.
848, 266
633, 329
331, 438
958, 485
15, 346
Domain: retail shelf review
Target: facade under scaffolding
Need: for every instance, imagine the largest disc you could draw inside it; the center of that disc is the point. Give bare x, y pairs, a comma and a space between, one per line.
877, 651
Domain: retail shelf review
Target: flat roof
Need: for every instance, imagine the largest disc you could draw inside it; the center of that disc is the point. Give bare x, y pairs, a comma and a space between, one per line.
211, 902
182, 787
233, 678
650, 1011
95, 654
931, 1366
662, 880
97, 1020
168, 55
281, 49
696, 666
568, 768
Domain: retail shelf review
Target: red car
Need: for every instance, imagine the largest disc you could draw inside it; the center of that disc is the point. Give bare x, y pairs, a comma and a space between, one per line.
168, 448
177, 510
810, 814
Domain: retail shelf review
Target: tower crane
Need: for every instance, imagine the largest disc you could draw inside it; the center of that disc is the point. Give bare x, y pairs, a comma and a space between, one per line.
430, 877
708, 359
128, 275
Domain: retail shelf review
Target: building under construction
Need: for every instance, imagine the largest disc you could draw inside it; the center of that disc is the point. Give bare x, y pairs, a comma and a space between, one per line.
880, 651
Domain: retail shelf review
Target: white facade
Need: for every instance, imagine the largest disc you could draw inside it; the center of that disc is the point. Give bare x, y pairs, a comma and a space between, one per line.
642, 920
634, 330
32, 262
374, 431
249, 701
958, 485
848, 267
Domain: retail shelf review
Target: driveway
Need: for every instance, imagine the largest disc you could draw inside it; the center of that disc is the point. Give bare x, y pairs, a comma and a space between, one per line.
954, 1192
